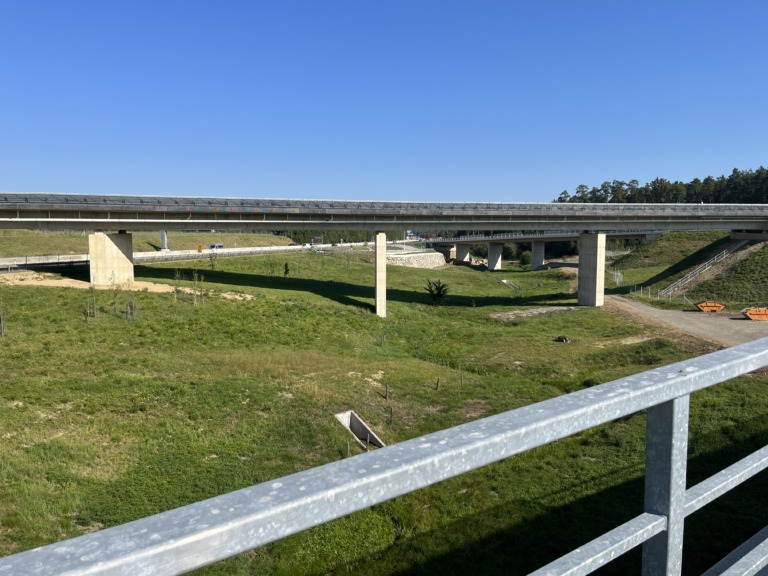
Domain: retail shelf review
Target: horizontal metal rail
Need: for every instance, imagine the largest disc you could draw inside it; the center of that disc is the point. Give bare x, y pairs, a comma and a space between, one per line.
748, 559
180, 540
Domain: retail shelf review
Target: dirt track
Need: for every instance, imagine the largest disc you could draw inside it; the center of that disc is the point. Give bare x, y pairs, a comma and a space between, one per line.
724, 329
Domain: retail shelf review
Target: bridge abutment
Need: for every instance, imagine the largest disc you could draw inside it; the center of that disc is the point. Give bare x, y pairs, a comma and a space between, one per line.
111, 259
591, 269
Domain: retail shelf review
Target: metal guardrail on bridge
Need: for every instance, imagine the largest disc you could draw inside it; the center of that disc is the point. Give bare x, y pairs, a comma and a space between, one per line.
202, 533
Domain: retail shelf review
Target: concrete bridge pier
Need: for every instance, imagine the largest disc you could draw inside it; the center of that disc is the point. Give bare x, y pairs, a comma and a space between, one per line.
381, 274
591, 269
111, 259
462, 253
494, 255
537, 254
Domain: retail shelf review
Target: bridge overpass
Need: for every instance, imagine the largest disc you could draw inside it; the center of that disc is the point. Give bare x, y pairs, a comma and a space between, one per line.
111, 254
460, 245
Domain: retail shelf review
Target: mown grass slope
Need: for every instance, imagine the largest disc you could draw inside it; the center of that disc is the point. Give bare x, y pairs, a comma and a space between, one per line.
745, 284
672, 255
107, 420
45, 243
657, 264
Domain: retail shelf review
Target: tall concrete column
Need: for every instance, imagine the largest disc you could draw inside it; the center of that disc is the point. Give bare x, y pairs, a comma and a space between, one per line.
537, 254
462, 253
494, 256
163, 240
111, 259
591, 269
381, 274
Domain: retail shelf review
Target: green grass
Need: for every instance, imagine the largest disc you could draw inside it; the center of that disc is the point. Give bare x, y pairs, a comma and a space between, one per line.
743, 285
107, 421
657, 264
672, 249
44, 243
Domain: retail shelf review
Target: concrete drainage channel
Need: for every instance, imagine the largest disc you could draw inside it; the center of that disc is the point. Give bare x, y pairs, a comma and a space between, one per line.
361, 432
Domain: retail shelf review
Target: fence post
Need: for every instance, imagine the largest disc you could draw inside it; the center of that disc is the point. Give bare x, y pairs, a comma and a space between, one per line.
666, 457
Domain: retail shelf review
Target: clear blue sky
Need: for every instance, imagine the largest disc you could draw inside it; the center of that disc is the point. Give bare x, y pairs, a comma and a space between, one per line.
398, 100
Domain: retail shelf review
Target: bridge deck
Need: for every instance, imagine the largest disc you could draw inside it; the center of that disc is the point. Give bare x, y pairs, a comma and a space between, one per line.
80, 211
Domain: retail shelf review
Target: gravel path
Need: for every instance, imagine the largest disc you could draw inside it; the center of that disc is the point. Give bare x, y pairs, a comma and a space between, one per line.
724, 328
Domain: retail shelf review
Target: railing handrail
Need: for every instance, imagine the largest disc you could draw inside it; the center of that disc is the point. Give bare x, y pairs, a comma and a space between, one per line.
703, 268
185, 538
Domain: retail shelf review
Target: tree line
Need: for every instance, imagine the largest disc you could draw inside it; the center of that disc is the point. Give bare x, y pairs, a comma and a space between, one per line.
740, 187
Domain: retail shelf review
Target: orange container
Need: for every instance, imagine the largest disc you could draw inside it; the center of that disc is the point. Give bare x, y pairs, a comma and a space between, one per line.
710, 306
755, 313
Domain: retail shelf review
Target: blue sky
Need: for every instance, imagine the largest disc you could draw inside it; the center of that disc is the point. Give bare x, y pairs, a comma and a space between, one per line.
398, 100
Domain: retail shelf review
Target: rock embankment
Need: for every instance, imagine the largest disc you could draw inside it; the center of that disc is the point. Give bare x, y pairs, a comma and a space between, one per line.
417, 259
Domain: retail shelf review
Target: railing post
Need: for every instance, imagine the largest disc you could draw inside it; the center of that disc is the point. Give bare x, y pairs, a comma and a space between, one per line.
666, 459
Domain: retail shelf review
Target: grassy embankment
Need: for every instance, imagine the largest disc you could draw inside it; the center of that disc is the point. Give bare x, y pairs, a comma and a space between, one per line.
658, 264
106, 421
43, 243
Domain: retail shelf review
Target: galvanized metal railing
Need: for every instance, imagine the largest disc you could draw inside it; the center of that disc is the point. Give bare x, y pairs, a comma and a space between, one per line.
180, 540
703, 268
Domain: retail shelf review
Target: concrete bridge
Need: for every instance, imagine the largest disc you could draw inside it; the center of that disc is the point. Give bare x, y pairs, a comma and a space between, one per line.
111, 254
460, 245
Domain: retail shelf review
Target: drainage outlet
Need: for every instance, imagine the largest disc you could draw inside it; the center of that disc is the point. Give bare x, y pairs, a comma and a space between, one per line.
359, 429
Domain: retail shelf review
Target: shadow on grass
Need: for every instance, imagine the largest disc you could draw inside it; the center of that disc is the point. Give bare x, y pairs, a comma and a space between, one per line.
710, 534
695, 259
350, 294
342, 292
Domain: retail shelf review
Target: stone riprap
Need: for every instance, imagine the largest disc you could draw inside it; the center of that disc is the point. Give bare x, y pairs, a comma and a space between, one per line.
417, 260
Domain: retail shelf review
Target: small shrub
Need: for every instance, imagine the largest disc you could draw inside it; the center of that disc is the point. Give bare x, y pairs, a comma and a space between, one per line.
437, 291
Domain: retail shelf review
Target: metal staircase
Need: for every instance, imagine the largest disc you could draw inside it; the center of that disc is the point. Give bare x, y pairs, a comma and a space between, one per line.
703, 268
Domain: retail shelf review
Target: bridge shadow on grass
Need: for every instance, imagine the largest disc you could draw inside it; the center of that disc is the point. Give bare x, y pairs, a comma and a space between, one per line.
689, 262
476, 545
345, 292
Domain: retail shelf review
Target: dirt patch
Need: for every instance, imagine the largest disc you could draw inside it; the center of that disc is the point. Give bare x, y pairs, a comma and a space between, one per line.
695, 330
30, 278
623, 341
52, 280
474, 409
512, 314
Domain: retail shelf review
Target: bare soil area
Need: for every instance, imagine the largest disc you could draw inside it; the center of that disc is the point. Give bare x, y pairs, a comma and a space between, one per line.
30, 278
722, 329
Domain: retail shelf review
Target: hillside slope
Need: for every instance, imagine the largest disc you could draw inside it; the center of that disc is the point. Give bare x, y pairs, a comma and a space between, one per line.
738, 281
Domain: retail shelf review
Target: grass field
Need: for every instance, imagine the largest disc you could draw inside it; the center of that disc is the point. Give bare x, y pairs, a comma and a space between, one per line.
45, 243
657, 264
107, 420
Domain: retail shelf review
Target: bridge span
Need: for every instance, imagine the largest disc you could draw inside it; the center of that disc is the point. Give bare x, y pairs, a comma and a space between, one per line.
111, 254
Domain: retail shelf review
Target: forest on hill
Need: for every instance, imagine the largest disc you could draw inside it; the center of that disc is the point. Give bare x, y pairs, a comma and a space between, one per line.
740, 187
